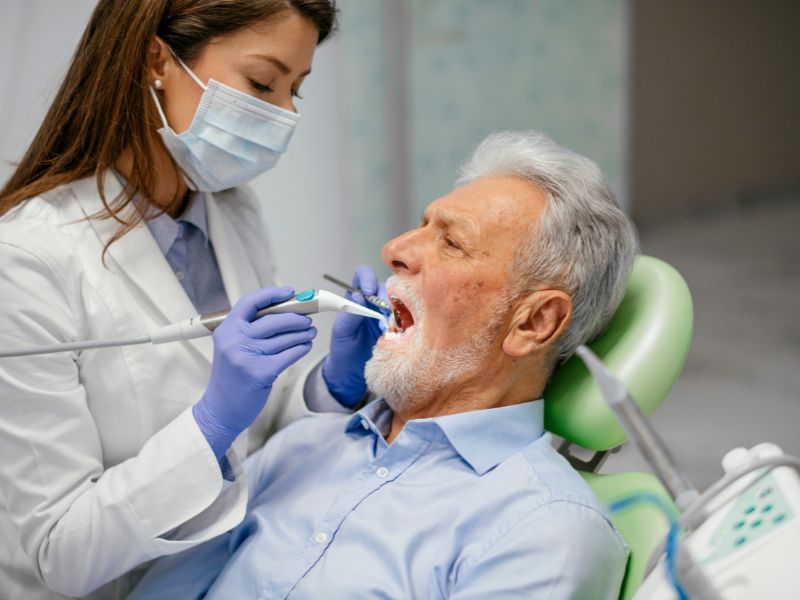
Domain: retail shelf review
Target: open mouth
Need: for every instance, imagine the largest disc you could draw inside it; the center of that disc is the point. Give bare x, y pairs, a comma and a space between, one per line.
402, 320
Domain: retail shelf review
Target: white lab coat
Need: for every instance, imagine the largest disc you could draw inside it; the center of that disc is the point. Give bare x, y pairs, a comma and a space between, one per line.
102, 466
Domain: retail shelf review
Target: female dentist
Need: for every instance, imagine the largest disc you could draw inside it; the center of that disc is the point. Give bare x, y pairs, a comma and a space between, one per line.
125, 214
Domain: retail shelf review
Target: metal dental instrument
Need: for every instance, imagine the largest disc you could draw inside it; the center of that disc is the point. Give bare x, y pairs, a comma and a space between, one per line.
374, 300
309, 302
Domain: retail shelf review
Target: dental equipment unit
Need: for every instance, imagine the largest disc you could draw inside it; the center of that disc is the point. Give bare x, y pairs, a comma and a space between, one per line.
308, 302
742, 535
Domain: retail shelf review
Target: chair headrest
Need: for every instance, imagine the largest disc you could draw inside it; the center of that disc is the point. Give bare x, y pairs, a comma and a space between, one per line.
645, 345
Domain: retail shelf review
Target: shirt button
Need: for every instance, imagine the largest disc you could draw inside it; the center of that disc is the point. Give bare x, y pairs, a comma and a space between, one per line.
179, 275
320, 537
382, 472
364, 424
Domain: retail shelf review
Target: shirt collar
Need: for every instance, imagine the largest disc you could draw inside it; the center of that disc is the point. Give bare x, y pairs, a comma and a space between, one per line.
375, 416
483, 438
195, 213
165, 229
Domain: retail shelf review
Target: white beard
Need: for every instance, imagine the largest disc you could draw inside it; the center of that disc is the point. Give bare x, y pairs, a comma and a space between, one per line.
409, 377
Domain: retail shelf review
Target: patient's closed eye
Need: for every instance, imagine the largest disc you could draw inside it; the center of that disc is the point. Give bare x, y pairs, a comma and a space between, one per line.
451, 243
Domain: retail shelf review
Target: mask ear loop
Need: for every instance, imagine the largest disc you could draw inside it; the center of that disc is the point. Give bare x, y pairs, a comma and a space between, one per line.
158, 106
188, 70
163, 117
161, 114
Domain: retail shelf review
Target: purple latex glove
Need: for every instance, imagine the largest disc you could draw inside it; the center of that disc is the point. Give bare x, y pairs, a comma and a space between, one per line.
351, 343
248, 357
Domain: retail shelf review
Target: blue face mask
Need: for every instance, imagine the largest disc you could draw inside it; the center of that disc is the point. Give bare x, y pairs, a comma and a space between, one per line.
232, 138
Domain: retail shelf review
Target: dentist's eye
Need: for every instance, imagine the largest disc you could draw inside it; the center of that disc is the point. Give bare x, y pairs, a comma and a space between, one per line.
261, 87
296, 94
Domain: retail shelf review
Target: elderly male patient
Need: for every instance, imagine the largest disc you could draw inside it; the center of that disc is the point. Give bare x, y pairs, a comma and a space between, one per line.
446, 485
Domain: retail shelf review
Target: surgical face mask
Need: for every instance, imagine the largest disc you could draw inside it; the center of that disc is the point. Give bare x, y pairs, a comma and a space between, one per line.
233, 137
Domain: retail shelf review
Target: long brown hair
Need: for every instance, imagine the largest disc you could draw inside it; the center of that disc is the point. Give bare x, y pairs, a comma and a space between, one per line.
103, 106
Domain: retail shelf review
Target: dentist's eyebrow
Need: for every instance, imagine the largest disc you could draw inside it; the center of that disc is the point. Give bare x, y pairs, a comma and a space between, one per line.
278, 63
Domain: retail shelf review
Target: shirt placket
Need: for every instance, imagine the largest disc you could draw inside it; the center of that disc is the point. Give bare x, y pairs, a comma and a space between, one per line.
382, 470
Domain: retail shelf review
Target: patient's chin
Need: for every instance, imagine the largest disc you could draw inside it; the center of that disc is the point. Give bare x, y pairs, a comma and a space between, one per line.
410, 380
391, 377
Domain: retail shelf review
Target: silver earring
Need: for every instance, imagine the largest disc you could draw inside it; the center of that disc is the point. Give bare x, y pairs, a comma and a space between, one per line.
157, 83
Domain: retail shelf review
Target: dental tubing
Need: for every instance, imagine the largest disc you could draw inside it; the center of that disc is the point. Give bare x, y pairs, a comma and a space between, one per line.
305, 303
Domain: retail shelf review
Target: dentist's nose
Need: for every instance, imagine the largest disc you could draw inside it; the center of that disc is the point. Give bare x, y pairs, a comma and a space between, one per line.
286, 102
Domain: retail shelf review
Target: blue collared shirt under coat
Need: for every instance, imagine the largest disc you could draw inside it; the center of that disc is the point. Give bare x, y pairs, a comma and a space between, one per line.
185, 244
471, 505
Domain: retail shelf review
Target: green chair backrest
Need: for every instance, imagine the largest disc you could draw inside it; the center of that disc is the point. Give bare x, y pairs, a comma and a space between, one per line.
642, 512
645, 345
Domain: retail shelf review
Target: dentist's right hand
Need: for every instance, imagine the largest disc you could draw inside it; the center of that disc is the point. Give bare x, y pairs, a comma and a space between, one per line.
248, 357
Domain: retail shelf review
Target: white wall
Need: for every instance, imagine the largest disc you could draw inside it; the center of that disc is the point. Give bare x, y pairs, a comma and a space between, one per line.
305, 196
37, 39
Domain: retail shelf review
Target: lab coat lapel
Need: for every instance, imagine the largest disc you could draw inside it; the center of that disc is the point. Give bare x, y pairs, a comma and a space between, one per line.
238, 273
139, 258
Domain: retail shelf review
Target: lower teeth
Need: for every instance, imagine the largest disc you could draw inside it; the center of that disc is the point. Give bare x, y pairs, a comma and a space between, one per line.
393, 335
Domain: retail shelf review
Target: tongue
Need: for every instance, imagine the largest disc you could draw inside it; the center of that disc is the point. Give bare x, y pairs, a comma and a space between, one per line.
406, 320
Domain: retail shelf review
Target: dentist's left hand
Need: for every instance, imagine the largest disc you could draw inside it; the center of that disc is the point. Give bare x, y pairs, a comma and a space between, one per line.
248, 357
351, 343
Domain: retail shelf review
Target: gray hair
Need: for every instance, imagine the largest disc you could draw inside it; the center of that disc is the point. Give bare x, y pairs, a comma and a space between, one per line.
583, 244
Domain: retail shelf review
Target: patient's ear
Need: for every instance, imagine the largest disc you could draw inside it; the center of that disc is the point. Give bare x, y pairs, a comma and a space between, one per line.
537, 322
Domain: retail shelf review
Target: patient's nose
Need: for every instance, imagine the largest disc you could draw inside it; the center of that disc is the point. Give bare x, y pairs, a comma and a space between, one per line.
401, 254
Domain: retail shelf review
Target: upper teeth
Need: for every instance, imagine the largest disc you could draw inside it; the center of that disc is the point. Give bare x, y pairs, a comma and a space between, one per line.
397, 320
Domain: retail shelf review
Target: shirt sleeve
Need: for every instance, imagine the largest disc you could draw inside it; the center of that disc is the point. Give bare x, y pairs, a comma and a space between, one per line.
561, 550
318, 397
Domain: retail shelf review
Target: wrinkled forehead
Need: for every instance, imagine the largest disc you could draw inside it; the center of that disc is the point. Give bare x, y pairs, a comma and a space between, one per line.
493, 205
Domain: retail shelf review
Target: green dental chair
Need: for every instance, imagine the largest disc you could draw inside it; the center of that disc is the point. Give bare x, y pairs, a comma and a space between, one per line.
645, 345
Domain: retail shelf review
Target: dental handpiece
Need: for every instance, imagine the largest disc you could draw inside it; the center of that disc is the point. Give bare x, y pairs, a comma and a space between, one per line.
374, 300
309, 302
305, 303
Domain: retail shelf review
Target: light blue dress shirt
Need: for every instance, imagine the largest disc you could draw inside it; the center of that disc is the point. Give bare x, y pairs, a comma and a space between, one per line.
185, 244
471, 505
